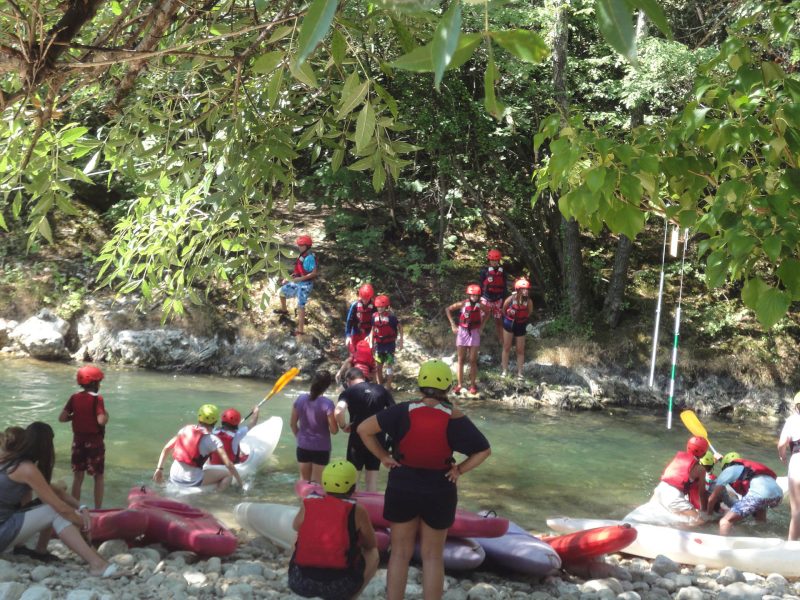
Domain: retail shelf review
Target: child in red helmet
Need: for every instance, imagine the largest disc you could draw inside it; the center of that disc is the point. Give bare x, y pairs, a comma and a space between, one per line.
362, 359
230, 432
359, 318
517, 309
494, 289
301, 282
472, 315
385, 338
87, 412
683, 473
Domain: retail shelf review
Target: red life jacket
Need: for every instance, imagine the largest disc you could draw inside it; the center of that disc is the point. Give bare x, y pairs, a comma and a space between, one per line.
751, 469
226, 437
84, 413
364, 316
299, 269
518, 312
363, 358
495, 281
187, 446
677, 473
327, 536
382, 330
694, 491
470, 317
425, 445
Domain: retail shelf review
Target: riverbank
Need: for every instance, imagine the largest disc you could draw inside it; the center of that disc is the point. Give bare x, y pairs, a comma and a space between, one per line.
258, 569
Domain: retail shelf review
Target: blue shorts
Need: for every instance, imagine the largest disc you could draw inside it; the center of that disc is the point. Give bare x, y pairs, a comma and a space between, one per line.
750, 504
518, 329
300, 290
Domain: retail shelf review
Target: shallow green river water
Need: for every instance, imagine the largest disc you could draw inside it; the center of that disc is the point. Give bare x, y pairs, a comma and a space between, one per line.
599, 464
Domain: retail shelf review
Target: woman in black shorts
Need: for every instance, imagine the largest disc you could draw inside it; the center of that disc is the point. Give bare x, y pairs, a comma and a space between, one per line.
421, 495
517, 309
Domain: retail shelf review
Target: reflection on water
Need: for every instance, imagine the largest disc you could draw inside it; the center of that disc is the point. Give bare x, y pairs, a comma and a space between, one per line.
599, 464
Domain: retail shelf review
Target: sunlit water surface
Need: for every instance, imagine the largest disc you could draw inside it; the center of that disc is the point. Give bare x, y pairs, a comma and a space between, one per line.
587, 464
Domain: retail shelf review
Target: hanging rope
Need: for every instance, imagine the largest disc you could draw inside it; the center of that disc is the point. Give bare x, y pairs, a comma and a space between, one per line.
677, 332
658, 307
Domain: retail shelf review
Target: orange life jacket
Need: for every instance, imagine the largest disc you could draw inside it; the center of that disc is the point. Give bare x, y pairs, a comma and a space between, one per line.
226, 437
470, 317
382, 330
364, 314
299, 269
677, 473
518, 312
187, 446
425, 444
495, 281
327, 536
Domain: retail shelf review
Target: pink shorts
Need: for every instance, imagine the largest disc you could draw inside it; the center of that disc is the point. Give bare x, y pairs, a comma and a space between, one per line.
495, 307
468, 337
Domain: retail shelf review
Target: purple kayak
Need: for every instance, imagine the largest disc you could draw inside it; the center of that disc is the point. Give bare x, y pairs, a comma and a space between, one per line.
460, 554
520, 551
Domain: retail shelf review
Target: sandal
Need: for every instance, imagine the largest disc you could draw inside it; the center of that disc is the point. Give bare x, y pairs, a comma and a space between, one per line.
457, 389
473, 389
45, 557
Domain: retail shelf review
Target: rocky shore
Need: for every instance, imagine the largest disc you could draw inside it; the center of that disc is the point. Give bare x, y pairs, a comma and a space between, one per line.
258, 569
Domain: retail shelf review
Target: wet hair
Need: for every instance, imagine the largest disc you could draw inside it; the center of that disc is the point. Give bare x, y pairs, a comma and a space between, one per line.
35, 445
440, 395
354, 373
320, 382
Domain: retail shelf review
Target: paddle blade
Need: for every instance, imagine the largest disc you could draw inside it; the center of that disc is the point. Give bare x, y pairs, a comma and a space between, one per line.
284, 379
693, 424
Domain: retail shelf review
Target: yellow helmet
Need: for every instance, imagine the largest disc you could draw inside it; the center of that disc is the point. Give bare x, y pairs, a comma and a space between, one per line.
728, 459
435, 374
208, 414
707, 459
339, 477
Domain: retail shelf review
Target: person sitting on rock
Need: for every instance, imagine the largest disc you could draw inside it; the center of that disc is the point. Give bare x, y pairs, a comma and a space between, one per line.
191, 447
336, 553
231, 432
756, 485
683, 473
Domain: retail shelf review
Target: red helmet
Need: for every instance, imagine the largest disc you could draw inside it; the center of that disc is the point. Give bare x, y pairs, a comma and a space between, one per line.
494, 255
303, 240
522, 284
88, 374
366, 292
232, 417
473, 289
381, 301
697, 446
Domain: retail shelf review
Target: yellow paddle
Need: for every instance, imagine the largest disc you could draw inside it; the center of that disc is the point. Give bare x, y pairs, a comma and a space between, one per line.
694, 425
279, 385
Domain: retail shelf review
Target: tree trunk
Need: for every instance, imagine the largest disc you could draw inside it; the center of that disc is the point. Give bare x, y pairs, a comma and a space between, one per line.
615, 298
572, 263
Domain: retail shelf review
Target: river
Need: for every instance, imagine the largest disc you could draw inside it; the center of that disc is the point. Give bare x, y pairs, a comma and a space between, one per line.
586, 464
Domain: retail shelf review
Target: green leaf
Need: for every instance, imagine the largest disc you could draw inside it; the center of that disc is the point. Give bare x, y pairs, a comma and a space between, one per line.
615, 20
626, 219
43, 227
69, 134
336, 160
717, 268
654, 12
772, 247
266, 63
493, 106
772, 306
378, 178
466, 47
391, 103
445, 41
92, 162
789, 273
418, 60
365, 127
361, 165
304, 74
116, 8
356, 92
525, 45
338, 47
595, 178
315, 26
274, 87
260, 5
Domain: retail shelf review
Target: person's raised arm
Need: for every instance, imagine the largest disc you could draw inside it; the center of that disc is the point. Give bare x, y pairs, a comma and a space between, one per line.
472, 461
158, 476
254, 418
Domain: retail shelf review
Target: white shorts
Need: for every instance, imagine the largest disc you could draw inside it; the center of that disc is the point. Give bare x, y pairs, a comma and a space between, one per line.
671, 498
794, 467
37, 520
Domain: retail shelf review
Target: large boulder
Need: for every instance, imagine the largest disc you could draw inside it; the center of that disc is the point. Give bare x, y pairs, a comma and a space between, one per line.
42, 336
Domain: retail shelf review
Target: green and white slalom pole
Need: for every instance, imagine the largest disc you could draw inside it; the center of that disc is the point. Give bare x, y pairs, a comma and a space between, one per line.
658, 307
677, 333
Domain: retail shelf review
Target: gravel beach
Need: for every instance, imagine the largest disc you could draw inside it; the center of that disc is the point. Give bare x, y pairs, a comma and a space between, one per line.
258, 570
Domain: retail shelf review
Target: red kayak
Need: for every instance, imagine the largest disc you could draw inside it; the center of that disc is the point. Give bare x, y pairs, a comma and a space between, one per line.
583, 545
467, 524
180, 526
118, 524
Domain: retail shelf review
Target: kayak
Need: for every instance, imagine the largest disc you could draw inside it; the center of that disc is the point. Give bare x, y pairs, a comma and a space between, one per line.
520, 551
258, 445
274, 522
460, 554
180, 526
584, 545
752, 554
118, 524
466, 525
654, 513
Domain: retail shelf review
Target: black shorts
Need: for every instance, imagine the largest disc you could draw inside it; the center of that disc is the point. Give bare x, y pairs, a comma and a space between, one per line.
330, 584
518, 329
318, 457
436, 509
362, 458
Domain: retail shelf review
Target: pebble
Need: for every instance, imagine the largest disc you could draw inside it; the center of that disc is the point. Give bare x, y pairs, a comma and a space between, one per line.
741, 591
11, 590
689, 593
663, 565
42, 572
37, 592
730, 575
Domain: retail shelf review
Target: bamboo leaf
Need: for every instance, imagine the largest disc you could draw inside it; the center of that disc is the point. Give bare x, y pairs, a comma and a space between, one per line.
615, 20
525, 45
315, 26
445, 41
266, 63
356, 94
365, 127
655, 13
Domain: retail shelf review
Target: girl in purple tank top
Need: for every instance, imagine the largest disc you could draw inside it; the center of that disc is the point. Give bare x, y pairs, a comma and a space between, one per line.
313, 424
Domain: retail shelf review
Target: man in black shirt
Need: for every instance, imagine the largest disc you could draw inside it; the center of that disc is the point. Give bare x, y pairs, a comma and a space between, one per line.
361, 399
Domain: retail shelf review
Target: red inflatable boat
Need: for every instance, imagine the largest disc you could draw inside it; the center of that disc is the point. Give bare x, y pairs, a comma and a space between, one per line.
118, 524
583, 545
180, 526
467, 524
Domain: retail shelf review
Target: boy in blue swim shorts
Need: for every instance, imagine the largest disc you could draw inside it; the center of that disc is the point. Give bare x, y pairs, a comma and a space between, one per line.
387, 338
301, 283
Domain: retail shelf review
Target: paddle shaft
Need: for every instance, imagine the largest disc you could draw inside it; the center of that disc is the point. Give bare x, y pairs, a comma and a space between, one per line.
658, 308
677, 333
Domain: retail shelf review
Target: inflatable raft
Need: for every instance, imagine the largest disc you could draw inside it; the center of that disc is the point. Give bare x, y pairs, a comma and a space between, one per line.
587, 544
520, 551
118, 524
753, 554
180, 526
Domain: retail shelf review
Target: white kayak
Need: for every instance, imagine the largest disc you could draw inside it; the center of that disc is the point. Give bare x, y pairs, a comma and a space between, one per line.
273, 521
259, 444
753, 554
654, 513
